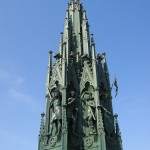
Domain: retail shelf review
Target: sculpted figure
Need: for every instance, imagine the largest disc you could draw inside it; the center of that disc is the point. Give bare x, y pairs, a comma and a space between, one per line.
55, 105
71, 111
89, 103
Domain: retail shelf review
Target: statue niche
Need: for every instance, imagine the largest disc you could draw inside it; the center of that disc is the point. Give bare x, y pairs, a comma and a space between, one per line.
72, 111
56, 111
89, 109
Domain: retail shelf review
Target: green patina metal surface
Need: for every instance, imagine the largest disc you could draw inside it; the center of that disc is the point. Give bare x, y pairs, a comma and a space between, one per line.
79, 113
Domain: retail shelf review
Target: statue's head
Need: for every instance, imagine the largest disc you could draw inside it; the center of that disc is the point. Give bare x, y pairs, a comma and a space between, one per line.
90, 96
72, 94
56, 94
87, 84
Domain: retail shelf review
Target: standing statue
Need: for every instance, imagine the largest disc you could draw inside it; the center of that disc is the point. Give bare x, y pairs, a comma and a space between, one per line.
72, 111
89, 103
55, 105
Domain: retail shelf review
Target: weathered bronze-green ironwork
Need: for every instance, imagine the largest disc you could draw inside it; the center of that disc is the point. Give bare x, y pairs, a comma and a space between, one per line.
79, 114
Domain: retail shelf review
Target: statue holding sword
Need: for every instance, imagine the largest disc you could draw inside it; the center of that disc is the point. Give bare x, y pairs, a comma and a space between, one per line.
89, 103
55, 106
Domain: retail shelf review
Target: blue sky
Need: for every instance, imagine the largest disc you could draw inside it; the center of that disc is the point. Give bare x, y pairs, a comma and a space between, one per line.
30, 28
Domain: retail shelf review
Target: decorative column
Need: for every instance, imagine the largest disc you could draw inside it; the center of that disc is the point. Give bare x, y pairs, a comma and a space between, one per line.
64, 103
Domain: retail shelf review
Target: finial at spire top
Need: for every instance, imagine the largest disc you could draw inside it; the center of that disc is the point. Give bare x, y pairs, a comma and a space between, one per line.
92, 39
75, 1
50, 52
42, 115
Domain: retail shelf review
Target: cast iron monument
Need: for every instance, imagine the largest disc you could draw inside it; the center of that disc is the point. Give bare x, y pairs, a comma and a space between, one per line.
79, 114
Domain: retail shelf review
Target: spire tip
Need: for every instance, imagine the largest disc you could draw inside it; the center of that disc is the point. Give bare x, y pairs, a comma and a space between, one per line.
50, 52
42, 115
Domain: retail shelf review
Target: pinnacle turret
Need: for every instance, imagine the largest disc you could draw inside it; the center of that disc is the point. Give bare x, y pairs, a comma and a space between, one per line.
92, 39
93, 47
42, 132
49, 72
42, 128
61, 43
118, 133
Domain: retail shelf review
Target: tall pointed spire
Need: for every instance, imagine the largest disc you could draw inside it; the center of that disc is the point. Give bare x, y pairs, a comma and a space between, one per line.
79, 112
76, 32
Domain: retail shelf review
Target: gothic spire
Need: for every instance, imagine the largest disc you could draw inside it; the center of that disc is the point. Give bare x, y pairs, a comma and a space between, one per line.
78, 107
76, 30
